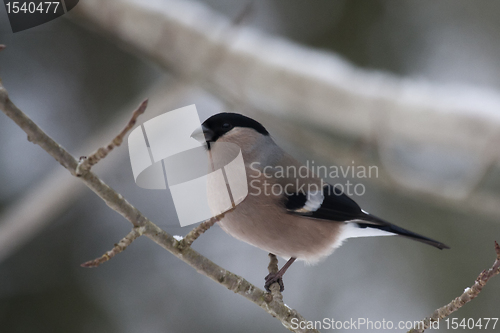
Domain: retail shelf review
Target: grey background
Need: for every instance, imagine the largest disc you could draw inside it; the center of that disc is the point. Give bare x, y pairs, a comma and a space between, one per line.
73, 82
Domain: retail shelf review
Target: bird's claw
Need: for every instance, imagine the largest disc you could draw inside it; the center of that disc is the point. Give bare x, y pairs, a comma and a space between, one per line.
273, 278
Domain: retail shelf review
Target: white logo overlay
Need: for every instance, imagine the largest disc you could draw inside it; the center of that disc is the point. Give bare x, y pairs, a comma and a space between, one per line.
203, 182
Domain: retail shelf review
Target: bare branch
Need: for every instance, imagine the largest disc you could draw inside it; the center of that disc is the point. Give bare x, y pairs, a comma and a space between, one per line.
35, 134
200, 229
118, 248
51, 195
116, 201
468, 295
87, 162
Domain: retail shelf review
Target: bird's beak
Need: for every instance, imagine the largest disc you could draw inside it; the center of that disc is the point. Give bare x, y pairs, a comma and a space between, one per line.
202, 134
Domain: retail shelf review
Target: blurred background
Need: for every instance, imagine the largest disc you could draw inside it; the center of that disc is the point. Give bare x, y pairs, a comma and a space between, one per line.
411, 87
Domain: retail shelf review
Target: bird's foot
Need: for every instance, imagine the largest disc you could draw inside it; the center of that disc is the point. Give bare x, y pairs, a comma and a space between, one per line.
273, 278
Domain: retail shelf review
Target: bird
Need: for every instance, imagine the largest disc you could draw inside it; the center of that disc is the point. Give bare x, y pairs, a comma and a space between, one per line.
307, 220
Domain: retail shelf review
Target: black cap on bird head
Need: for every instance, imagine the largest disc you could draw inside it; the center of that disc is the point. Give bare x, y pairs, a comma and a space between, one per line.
217, 125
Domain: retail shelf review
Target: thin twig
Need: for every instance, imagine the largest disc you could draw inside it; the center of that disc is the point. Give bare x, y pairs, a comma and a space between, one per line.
116, 202
87, 162
118, 248
244, 14
468, 295
201, 229
198, 231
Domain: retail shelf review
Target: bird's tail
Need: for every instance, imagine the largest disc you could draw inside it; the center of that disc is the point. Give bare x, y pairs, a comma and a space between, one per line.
377, 223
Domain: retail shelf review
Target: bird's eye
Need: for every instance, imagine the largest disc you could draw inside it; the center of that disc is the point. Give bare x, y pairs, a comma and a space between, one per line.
226, 125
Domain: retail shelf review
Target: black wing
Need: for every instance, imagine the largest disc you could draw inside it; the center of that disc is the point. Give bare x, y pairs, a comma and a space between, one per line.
334, 205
